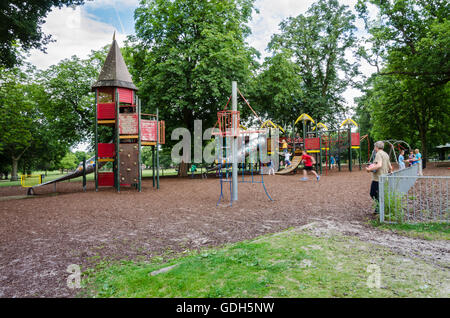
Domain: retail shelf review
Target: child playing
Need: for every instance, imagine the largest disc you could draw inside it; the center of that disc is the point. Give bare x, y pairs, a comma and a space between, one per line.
332, 162
401, 160
308, 161
287, 161
271, 169
418, 160
411, 158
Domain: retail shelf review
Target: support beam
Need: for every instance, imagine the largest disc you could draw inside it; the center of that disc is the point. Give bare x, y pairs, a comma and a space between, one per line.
157, 148
234, 144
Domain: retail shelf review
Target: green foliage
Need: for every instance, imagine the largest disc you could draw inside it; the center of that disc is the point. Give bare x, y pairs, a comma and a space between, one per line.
21, 26
80, 155
393, 206
165, 160
276, 90
44, 113
69, 161
408, 99
19, 115
68, 100
412, 37
318, 43
185, 55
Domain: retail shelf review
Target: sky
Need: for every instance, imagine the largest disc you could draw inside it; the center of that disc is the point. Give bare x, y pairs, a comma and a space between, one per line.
91, 26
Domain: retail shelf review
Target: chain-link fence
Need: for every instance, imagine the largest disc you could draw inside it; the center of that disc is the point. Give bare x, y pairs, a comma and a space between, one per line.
406, 197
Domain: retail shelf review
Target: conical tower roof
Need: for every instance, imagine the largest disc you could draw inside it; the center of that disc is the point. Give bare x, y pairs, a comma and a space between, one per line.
114, 72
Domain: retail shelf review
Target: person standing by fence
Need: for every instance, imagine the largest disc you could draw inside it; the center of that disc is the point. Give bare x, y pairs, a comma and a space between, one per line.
381, 165
411, 158
418, 158
401, 160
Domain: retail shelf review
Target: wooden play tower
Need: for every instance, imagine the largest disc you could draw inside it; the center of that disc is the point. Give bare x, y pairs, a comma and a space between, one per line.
117, 106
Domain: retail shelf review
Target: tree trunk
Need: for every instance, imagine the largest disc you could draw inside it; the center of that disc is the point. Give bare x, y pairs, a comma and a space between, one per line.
183, 169
15, 164
423, 141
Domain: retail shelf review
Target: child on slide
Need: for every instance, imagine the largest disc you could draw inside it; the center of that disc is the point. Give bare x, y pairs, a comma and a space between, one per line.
308, 161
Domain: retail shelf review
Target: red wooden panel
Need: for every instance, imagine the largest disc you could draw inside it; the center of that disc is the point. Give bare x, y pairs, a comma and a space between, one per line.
312, 143
148, 130
355, 139
128, 124
106, 179
125, 95
106, 150
106, 111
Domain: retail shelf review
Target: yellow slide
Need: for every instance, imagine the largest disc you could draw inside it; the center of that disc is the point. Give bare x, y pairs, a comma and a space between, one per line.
294, 164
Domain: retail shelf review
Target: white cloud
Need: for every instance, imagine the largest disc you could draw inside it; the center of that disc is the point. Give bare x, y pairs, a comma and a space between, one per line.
118, 3
75, 33
273, 12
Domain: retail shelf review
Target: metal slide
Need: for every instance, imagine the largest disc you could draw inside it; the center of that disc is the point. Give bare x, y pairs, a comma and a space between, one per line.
252, 146
90, 167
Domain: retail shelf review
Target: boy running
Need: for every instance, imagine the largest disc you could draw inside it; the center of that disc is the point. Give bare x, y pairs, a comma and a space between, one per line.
308, 161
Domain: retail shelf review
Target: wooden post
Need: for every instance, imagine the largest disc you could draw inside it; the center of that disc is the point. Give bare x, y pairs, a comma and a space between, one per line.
96, 142
117, 134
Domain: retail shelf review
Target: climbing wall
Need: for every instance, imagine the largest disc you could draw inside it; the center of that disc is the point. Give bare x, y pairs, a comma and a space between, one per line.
129, 164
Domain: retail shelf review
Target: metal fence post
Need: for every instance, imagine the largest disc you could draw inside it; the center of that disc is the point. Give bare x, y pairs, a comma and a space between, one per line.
381, 198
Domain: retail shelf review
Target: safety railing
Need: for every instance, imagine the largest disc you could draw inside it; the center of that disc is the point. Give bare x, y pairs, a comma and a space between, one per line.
405, 197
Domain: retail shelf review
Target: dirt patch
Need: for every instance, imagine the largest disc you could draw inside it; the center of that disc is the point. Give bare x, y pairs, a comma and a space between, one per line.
432, 252
41, 237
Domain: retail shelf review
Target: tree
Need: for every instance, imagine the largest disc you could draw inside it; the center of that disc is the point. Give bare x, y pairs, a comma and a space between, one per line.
185, 55
21, 27
318, 42
188, 53
45, 113
277, 90
406, 109
409, 44
80, 155
68, 162
68, 100
411, 36
18, 116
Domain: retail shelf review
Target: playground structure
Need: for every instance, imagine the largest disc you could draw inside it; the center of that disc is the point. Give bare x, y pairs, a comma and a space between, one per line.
118, 107
322, 142
392, 144
234, 146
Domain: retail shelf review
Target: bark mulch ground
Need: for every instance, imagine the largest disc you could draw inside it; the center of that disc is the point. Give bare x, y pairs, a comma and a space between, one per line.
40, 237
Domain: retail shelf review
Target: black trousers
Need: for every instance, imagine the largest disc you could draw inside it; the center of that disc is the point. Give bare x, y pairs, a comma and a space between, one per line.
374, 193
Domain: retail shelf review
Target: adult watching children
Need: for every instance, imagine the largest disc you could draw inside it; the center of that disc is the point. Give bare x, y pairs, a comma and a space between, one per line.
381, 165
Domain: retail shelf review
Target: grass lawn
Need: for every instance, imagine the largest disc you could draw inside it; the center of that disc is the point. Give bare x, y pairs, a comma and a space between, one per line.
426, 231
288, 264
